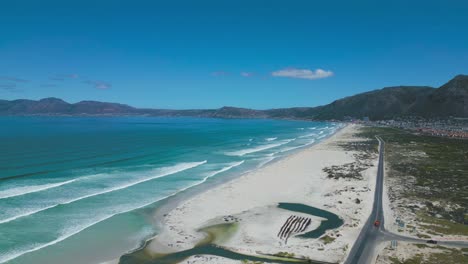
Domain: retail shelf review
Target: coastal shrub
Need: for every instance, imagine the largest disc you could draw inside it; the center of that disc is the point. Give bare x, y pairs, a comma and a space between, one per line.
346, 171
284, 254
327, 239
432, 173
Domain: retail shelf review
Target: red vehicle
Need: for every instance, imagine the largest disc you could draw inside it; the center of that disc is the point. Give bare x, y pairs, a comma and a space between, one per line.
377, 223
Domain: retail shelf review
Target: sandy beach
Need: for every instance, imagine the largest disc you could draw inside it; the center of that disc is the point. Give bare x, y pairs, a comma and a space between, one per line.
251, 201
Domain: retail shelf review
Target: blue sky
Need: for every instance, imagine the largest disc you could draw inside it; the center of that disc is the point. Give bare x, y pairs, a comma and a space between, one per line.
207, 54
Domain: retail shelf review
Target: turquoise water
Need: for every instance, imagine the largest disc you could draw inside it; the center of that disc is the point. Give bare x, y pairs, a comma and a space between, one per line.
72, 185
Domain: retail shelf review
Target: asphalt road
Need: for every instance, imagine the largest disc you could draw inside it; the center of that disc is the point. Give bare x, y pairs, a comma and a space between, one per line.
370, 236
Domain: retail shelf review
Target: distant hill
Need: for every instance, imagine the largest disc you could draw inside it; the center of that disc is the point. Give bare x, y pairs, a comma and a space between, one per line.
386, 103
451, 99
55, 106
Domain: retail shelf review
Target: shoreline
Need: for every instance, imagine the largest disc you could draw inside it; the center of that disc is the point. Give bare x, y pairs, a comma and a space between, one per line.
172, 202
163, 207
179, 219
176, 200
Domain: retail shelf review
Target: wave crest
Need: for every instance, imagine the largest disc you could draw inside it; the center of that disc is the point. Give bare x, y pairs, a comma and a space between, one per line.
18, 191
257, 149
163, 172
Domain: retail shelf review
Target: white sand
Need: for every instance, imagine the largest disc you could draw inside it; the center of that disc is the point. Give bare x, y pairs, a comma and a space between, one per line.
252, 200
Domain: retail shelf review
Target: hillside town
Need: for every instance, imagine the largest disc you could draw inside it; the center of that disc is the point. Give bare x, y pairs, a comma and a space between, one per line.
451, 127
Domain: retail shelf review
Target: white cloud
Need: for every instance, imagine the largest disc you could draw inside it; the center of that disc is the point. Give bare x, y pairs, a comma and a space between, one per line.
99, 84
62, 77
302, 73
103, 86
247, 74
219, 73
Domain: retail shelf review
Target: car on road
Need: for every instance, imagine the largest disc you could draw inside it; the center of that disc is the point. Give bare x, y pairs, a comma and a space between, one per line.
377, 223
430, 241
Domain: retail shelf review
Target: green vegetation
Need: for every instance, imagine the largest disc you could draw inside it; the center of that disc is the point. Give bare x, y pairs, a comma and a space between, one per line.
422, 235
347, 171
369, 145
365, 150
219, 233
284, 254
414, 260
433, 172
442, 226
327, 239
421, 245
245, 261
453, 256
448, 255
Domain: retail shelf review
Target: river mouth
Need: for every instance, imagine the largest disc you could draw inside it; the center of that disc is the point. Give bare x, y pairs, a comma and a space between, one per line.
216, 234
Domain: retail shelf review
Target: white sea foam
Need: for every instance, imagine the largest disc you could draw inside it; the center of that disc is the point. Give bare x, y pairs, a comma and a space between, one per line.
78, 229
291, 148
230, 166
297, 147
163, 172
18, 191
27, 213
271, 139
66, 234
312, 128
308, 135
36, 247
257, 149
265, 161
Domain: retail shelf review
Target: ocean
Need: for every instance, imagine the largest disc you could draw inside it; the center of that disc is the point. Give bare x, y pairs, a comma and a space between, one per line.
84, 189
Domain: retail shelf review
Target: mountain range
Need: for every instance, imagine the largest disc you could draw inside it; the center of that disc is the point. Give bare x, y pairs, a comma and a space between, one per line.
451, 99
